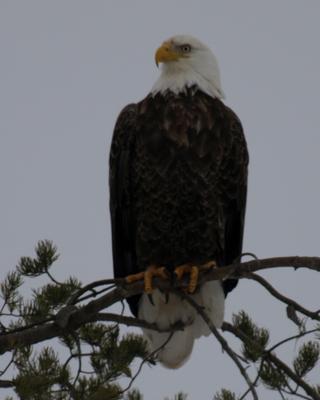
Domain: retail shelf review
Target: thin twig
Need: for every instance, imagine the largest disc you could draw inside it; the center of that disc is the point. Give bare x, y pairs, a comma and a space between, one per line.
90, 287
140, 323
2, 372
295, 393
3, 306
254, 383
281, 297
77, 340
281, 394
298, 336
94, 294
224, 344
152, 354
52, 278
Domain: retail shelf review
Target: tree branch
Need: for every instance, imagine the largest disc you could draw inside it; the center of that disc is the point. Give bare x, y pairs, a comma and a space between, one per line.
223, 343
6, 384
148, 357
274, 359
88, 312
281, 297
140, 323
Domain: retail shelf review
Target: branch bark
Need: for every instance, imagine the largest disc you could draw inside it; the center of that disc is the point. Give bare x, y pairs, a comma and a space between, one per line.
5, 384
88, 312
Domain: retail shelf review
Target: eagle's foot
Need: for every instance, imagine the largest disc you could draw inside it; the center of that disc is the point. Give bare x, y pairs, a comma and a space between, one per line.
193, 271
208, 265
190, 269
134, 277
153, 271
147, 276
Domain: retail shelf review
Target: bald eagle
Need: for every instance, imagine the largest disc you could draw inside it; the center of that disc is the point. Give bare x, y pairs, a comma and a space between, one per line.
178, 180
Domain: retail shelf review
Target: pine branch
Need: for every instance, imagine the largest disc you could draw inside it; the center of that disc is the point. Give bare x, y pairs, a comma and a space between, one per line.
88, 312
268, 355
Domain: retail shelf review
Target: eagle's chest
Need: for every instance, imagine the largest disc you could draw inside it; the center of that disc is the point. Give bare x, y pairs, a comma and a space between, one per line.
176, 199
175, 207
175, 181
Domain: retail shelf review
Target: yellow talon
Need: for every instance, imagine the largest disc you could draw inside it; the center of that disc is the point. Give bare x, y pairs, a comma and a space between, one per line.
147, 276
134, 277
208, 265
161, 272
193, 271
181, 270
190, 269
194, 275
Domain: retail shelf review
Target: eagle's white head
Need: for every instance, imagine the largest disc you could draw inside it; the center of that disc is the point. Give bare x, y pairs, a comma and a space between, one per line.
187, 62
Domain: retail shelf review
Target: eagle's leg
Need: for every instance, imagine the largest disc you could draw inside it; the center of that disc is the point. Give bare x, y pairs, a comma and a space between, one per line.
147, 276
193, 271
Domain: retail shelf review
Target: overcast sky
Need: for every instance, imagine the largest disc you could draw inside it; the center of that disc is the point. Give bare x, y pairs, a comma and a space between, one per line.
67, 67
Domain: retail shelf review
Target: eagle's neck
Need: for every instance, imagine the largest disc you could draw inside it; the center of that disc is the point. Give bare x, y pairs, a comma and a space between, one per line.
178, 78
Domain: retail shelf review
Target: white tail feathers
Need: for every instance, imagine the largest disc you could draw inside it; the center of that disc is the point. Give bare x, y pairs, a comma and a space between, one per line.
177, 351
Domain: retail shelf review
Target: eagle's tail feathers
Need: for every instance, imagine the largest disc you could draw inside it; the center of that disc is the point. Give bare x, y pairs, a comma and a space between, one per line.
167, 313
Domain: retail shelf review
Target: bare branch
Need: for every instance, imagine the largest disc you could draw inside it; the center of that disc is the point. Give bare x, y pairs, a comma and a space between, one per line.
6, 384
90, 287
224, 344
290, 338
148, 357
140, 323
281, 297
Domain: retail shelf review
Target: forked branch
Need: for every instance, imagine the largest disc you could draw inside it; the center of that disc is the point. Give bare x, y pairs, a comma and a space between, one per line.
83, 314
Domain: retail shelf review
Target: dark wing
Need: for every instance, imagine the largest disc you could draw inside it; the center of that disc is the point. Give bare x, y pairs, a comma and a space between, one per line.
233, 180
123, 239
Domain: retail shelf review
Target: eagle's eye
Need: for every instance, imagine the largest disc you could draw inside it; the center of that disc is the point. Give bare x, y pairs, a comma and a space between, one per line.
185, 48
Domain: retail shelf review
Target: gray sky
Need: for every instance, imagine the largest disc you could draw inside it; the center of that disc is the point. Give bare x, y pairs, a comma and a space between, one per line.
66, 70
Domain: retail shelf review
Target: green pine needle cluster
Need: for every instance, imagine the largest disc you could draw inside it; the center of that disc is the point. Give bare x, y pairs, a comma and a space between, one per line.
133, 395
46, 255
225, 394
272, 377
9, 290
259, 337
39, 374
179, 396
112, 357
307, 358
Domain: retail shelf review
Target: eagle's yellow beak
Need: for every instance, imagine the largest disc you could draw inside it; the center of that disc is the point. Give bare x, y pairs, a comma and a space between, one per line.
166, 53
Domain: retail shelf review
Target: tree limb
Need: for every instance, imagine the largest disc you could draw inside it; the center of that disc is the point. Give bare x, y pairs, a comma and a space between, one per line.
6, 384
140, 323
281, 297
87, 313
223, 343
274, 359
